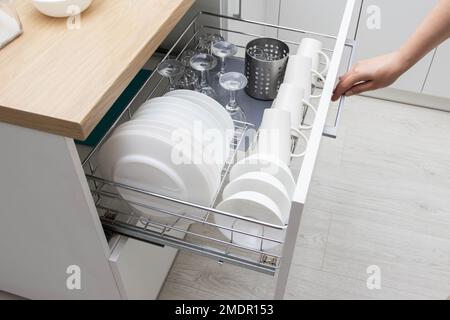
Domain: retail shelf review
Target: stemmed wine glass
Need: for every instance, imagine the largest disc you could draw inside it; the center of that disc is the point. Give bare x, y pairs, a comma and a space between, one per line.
204, 62
233, 82
171, 69
223, 50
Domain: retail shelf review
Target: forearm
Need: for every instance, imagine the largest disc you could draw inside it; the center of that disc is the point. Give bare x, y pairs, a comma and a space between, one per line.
434, 30
382, 71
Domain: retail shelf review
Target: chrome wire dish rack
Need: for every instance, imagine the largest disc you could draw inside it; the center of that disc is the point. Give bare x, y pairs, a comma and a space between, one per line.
198, 234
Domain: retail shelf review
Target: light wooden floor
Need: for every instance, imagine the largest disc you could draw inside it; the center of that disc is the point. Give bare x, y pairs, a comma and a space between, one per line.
380, 196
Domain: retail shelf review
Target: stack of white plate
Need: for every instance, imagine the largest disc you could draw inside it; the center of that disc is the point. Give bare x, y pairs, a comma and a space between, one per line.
174, 146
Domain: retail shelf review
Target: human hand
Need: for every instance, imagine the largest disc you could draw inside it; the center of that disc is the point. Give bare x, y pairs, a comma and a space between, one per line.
372, 74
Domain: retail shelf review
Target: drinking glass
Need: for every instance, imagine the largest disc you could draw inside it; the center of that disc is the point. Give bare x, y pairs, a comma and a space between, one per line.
202, 41
233, 82
257, 53
186, 56
189, 80
223, 50
171, 69
204, 62
206, 40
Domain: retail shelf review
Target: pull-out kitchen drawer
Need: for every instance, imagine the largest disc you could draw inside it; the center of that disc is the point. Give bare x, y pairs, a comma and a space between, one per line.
202, 237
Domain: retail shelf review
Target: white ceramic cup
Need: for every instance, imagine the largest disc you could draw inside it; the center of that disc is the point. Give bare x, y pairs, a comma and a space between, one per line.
274, 136
299, 71
314, 49
291, 98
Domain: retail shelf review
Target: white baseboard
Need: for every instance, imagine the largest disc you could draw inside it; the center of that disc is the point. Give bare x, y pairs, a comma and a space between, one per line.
411, 98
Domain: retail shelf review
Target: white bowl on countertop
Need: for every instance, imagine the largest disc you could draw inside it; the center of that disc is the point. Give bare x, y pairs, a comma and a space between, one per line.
61, 8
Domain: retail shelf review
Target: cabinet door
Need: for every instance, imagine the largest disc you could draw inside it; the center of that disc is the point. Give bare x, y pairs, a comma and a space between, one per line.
256, 10
439, 76
321, 16
140, 268
398, 20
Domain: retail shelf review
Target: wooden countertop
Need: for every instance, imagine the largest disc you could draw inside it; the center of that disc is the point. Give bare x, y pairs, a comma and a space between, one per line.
64, 81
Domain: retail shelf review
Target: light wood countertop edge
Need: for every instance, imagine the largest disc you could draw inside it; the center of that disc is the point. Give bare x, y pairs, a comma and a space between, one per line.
42, 123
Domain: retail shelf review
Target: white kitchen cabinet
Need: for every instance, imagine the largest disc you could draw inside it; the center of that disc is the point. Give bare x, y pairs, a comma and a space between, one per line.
398, 20
438, 78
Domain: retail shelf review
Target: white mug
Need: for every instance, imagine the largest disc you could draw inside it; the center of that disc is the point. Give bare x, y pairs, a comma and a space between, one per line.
299, 71
274, 136
314, 49
291, 98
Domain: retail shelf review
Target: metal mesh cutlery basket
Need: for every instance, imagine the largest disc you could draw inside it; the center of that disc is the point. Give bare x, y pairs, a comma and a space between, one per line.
265, 65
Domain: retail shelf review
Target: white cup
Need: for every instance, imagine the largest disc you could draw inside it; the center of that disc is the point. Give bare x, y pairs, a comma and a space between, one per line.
299, 71
274, 136
291, 98
313, 49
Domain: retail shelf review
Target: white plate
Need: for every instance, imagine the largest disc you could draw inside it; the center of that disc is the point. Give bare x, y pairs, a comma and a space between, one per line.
129, 158
154, 125
265, 184
214, 152
179, 105
138, 171
208, 104
267, 164
250, 205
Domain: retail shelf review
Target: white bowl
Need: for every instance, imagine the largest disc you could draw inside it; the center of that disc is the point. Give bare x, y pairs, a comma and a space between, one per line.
267, 164
255, 206
265, 184
61, 8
